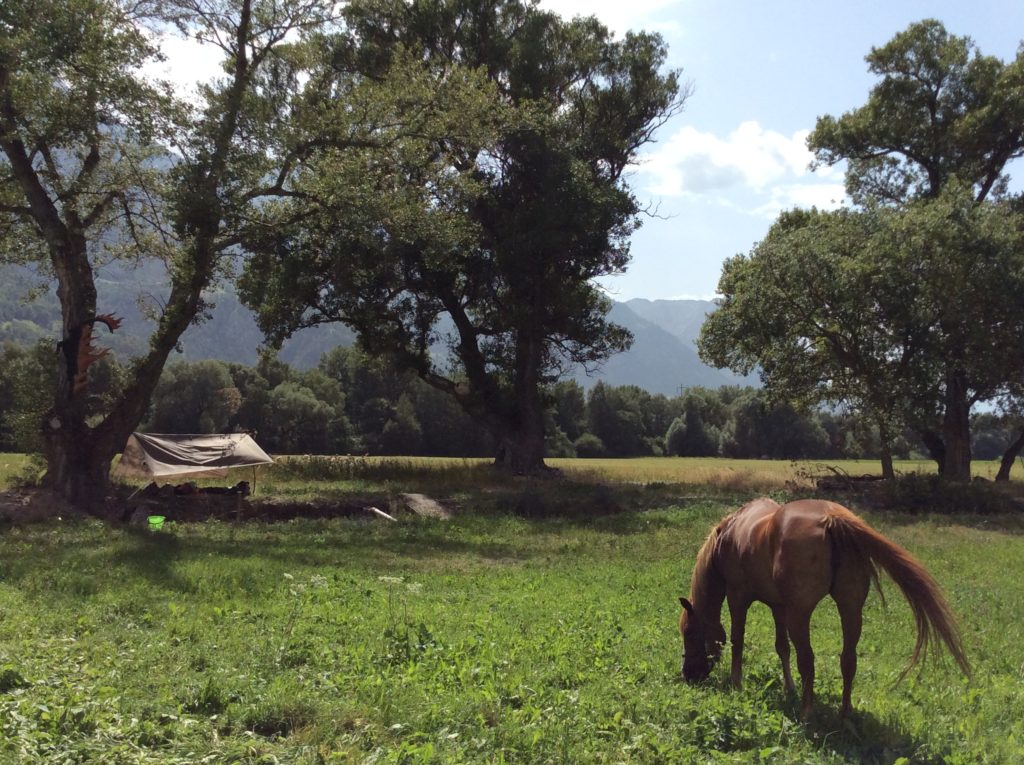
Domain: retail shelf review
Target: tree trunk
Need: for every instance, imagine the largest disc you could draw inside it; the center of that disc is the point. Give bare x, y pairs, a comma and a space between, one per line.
521, 449
888, 472
956, 430
76, 471
935, 445
885, 445
521, 444
1009, 457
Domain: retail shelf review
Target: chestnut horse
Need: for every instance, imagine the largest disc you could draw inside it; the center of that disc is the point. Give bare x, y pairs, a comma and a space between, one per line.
790, 557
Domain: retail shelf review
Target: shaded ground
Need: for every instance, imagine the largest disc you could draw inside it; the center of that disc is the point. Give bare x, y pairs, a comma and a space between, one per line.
560, 497
555, 499
34, 505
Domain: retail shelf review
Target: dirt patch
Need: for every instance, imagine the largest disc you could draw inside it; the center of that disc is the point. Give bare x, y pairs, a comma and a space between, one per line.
34, 505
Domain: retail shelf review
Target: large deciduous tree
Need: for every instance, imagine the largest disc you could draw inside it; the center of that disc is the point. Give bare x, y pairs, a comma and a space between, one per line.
907, 307
98, 163
858, 308
943, 117
484, 226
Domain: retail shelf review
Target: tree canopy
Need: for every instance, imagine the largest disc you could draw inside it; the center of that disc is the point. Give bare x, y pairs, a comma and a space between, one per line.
483, 230
940, 112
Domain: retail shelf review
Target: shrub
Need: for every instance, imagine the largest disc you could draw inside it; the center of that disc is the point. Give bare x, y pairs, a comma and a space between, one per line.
589, 445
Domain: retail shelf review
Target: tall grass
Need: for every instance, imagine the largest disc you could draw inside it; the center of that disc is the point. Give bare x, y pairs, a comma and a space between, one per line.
308, 475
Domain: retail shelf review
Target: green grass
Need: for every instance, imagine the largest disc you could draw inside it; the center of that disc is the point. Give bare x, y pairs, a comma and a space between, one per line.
11, 465
486, 639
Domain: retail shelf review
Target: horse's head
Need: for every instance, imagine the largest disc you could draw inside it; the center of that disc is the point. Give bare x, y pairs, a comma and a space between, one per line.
702, 643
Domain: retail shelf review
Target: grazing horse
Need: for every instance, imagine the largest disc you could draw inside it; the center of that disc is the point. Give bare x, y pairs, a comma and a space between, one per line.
790, 557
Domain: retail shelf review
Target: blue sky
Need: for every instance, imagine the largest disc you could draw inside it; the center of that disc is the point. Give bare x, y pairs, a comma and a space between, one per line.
762, 72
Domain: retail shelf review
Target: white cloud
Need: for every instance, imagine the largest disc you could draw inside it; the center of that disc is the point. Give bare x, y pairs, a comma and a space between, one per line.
824, 196
691, 161
749, 161
617, 15
188, 63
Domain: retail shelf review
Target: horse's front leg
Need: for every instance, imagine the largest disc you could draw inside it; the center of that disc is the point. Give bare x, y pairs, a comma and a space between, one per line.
782, 646
738, 615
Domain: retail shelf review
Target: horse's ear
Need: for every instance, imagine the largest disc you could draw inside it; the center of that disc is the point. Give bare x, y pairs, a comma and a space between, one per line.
687, 605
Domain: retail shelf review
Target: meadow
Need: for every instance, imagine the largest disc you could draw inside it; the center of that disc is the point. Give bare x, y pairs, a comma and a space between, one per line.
488, 638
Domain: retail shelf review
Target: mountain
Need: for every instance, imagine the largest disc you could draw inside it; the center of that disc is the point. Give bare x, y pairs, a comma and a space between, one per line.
228, 333
680, 318
663, 357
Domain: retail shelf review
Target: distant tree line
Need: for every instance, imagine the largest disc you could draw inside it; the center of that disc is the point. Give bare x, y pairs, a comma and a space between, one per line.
354, 404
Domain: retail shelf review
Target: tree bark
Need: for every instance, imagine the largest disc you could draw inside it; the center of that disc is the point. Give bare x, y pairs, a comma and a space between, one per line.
956, 430
1009, 457
521, 444
76, 470
888, 472
885, 446
935, 445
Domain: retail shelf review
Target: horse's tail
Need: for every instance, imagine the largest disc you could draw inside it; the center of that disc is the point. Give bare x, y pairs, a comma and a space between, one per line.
932, 613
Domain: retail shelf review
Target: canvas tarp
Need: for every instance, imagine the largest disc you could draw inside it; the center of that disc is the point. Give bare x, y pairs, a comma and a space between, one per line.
156, 455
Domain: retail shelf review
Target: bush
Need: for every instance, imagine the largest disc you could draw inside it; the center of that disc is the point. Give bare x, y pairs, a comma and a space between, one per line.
589, 445
918, 493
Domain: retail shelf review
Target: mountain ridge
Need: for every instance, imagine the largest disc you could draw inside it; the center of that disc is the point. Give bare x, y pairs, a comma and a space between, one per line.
663, 358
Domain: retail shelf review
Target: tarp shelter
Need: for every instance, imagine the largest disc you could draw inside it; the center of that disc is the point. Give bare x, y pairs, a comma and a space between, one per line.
161, 456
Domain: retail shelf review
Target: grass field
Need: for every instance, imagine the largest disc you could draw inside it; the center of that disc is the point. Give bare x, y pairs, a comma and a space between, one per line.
303, 475
490, 638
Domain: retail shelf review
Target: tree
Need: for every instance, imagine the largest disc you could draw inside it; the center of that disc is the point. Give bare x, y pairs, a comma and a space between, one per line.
570, 408
910, 316
905, 308
196, 397
25, 383
402, 433
943, 116
616, 419
98, 163
499, 202
697, 432
941, 113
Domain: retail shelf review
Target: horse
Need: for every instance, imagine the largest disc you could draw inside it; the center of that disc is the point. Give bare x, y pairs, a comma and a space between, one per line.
790, 557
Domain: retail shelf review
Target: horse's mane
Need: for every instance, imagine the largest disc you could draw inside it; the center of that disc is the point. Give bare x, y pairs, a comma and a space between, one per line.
703, 568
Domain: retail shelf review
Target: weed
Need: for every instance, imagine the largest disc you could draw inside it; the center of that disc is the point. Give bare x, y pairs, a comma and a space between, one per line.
208, 699
11, 679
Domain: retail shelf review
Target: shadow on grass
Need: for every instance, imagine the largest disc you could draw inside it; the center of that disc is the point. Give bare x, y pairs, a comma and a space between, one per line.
861, 737
151, 556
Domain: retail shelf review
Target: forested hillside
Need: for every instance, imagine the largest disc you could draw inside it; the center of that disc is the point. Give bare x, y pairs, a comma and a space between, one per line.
662, 359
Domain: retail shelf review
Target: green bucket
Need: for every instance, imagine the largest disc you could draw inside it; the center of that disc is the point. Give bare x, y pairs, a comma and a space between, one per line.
156, 522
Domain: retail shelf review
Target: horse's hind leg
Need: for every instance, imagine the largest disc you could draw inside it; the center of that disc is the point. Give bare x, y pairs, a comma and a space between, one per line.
798, 624
782, 646
851, 619
849, 592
